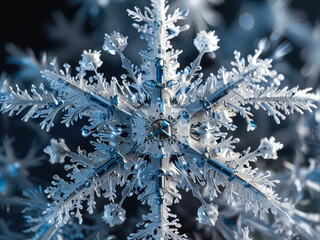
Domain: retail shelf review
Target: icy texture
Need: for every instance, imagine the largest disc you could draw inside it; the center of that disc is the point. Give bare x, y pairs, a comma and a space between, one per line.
160, 129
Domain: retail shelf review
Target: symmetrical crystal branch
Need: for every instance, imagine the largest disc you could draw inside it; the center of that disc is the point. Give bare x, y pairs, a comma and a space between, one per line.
161, 129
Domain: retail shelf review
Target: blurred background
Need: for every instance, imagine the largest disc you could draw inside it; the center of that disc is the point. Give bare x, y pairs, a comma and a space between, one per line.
35, 32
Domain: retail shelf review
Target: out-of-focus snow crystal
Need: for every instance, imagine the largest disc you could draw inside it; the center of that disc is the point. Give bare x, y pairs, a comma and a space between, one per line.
14, 172
208, 17
159, 130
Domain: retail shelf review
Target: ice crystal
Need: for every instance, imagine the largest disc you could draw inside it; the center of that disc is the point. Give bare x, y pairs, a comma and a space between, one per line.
160, 129
114, 215
114, 43
208, 214
90, 60
206, 42
57, 151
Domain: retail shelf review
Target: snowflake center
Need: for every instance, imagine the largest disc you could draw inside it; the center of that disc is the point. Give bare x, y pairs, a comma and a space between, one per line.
161, 129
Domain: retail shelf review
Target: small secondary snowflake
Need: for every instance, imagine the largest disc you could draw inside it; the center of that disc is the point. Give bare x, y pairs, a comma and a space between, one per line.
159, 130
208, 17
14, 172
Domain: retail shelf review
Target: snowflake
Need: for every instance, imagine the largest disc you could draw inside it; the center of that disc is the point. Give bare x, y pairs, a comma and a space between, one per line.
160, 129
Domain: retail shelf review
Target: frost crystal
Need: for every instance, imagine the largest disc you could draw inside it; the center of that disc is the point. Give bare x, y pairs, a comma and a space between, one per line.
160, 129
57, 151
268, 148
90, 60
114, 215
206, 42
114, 43
208, 214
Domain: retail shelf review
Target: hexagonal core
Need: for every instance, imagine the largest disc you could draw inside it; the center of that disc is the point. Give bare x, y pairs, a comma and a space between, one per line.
161, 129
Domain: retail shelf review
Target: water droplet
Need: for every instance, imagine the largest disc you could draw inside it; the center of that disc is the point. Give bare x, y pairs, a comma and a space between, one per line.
280, 77
233, 127
217, 151
85, 132
253, 125
66, 66
53, 62
184, 13
157, 24
87, 183
206, 105
159, 200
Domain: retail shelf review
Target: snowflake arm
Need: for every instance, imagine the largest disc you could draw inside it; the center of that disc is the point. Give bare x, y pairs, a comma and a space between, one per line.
255, 84
249, 186
88, 177
159, 196
76, 98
